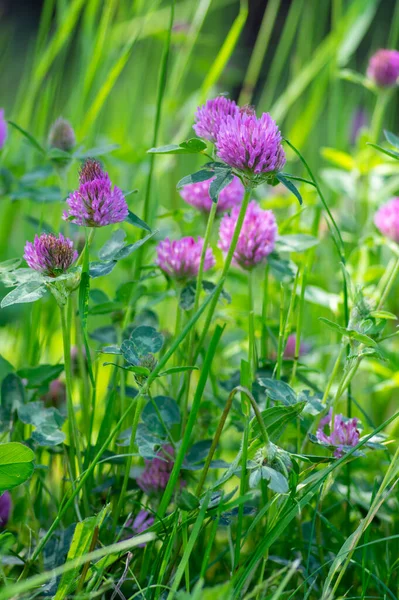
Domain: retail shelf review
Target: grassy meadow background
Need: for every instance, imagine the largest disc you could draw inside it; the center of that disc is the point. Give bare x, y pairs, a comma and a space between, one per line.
99, 65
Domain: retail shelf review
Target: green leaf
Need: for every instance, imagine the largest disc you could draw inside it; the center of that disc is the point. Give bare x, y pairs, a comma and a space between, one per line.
5, 367
281, 268
276, 419
278, 390
10, 265
390, 153
351, 333
290, 186
222, 180
136, 221
83, 306
298, 242
128, 349
83, 535
26, 292
187, 296
47, 421
201, 175
392, 138
277, 482
383, 314
167, 408
192, 146
16, 465
33, 142
187, 501
173, 370
130, 248
98, 268
12, 396
147, 340
41, 375
112, 246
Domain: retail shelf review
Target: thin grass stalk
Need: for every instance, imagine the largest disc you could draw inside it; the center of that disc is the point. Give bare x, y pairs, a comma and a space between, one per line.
265, 301
259, 52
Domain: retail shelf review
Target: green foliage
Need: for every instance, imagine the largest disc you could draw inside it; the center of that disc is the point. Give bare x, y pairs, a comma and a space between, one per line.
16, 465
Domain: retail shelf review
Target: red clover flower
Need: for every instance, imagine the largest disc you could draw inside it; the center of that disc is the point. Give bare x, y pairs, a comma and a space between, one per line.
386, 219
181, 258
250, 144
343, 433
49, 254
197, 194
289, 351
383, 68
5, 508
156, 474
96, 203
257, 237
210, 116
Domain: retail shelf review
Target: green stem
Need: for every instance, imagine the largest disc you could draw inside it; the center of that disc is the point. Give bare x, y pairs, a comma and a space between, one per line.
389, 285
264, 313
226, 267
251, 328
381, 103
280, 348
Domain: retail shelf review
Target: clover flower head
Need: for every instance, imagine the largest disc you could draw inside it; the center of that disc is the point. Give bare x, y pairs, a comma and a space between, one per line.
386, 219
249, 144
383, 68
5, 508
197, 194
289, 351
156, 474
181, 258
343, 433
96, 203
50, 254
3, 129
211, 115
61, 135
257, 237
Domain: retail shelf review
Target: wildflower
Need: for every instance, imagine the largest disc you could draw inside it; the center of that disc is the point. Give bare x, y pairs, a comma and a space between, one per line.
61, 135
56, 395
289, 351
143, 521
383, 68
210, 116
181, 258
5, 508
197, 194
386, 219
155, 476
49, 254
3, 129
344, 433
257, 237
250, 144
96, 203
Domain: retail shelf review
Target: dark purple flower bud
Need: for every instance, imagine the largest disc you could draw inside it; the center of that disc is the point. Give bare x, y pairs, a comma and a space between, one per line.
383, 68
197, 194
249, 144
5, 508
181, 258
359, 121
155, 476
289, 351
49, 254
343, 433
61, 135
211, 115
96, 203
257, 237
386, 219
3, 129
